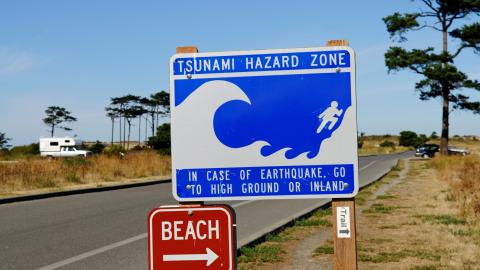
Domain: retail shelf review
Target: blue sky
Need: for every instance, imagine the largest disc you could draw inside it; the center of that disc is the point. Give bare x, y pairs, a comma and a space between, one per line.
79, 54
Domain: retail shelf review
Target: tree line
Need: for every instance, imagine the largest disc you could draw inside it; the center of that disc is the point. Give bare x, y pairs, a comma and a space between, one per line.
124, 112
129, 110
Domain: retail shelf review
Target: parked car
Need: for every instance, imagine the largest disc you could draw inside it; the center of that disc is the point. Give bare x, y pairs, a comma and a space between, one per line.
60, 147
427, 150
454, 150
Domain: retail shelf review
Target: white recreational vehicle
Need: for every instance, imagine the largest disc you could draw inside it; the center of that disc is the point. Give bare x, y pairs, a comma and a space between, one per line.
60, 147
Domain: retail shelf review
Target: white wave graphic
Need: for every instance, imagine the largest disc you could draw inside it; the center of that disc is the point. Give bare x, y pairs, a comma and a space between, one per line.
195, 144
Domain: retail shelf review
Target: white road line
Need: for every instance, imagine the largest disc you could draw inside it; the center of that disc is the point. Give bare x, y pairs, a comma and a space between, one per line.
93, 252
107, 248
368, 165
127, 241
242, 203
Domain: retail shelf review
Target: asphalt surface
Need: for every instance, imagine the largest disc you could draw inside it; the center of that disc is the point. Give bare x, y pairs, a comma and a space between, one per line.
107, 230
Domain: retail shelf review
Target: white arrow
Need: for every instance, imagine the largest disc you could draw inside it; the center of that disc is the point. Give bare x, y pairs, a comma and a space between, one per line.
210, 257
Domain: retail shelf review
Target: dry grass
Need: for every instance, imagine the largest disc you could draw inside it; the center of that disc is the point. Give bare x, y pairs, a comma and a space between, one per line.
463, 176
416, 224
36, 173
422, 230
288, 243
371, 145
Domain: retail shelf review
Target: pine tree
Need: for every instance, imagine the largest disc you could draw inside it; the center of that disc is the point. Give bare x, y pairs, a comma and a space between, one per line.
441, 78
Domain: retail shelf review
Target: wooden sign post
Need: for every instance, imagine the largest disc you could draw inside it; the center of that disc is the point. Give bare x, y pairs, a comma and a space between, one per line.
344, 231
344, 234
188, 49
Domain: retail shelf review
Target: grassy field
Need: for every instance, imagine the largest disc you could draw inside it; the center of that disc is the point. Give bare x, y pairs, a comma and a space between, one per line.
36, 174
426, 219
277, 251
417, 225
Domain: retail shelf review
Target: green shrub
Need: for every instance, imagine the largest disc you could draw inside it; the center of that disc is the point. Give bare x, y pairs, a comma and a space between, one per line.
261, 253
387, 143
410, 138
407, 138
360, 144
97, 147
161, 140
114, 150
26, 150
75, 161
138, 148
325, 249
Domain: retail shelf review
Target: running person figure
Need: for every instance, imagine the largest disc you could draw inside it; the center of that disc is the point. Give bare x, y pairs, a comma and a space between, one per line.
330, 115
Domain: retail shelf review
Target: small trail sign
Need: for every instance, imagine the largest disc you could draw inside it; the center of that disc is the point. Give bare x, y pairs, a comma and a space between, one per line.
343, 222
192, 237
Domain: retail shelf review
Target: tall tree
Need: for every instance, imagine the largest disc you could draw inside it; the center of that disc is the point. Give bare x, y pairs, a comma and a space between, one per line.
141, 111
122, 105
57, 117
441, 78
132, 112
146, 125
113, 114
150, 107
3, 141
119, 104
162, 101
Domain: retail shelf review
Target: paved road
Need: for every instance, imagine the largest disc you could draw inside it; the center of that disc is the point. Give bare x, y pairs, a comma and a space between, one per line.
107, 230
